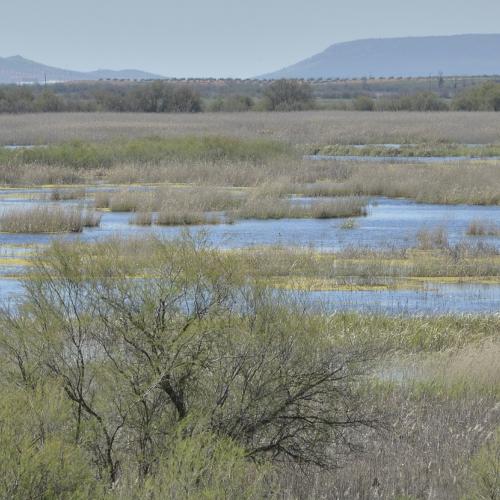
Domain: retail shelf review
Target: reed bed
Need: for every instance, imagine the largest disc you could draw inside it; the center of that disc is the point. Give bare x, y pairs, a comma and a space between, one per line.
440, 442
202, 199
358, 266
429, 239
141, 219
67, 194
131, 201
273, 167
48, 219
25, 175
307, 127
305, 267
269, 207
410, 150
483, 228
173, 216
467, 182
189, 206
125, 200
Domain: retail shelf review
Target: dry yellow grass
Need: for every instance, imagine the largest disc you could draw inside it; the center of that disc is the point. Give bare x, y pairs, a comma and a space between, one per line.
47, 219
309, 127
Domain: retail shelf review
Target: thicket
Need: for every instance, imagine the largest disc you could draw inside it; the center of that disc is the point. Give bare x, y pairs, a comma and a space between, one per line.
185, 380
232, 103
420, 101
288, 95
485, 97
154, 97
280, 95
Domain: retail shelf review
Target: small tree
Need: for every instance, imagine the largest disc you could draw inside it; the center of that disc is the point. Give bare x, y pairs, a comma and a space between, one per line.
48, 101
288, 95
485, 97
139, 357
363, 103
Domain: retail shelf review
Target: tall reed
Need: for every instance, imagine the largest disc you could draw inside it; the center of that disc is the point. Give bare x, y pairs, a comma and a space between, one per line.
47, 219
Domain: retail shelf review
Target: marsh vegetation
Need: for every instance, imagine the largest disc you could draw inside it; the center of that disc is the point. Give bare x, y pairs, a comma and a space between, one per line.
226, 162
483, 228
192, 380
47, 219
179, 366
302, 128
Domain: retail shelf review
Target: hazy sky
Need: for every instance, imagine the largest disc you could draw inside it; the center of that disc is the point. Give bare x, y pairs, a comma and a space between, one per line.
219, 37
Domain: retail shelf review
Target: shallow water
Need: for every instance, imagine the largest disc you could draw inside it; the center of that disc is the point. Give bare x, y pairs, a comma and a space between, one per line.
21, 146
10, 291
435, 299
400, 159
389, 222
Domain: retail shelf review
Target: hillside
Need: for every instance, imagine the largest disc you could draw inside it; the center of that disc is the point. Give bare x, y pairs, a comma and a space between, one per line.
419, 56
17, 69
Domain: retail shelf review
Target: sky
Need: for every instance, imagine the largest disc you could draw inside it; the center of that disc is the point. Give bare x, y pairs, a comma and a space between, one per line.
219, 38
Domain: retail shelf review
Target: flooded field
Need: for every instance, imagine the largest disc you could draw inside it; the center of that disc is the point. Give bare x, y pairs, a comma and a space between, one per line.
389, 223
431, 299
159, 267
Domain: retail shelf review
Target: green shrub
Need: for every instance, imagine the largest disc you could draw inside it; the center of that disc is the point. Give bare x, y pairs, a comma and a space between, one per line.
200, 465
288, 95
485, 97
38, 456
485, 471
236, 103
363, 103
421, 101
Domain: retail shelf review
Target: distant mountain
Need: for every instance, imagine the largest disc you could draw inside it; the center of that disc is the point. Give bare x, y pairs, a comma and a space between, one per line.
17, 69
458, 55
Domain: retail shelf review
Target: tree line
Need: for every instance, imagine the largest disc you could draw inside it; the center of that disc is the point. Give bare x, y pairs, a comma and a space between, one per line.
280, 95
151, 97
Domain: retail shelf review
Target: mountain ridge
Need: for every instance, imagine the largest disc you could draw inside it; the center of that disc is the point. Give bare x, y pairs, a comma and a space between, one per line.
452, 55
18, 69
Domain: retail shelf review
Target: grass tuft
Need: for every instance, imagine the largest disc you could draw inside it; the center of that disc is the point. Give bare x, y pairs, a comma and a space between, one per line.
483, 228
47, 219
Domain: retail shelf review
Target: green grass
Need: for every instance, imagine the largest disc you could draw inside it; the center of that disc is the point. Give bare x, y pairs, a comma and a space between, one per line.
408, 150
209, 149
